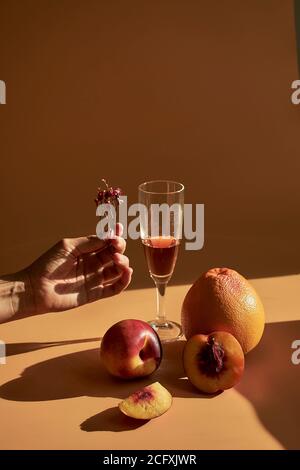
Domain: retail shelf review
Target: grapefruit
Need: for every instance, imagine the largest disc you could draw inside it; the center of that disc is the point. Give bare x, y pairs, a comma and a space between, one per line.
223, 300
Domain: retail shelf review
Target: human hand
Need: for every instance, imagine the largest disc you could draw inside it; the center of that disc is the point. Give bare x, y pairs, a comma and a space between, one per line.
77, 271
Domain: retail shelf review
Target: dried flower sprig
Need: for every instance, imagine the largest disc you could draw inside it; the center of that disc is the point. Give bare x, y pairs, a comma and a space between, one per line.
109, 195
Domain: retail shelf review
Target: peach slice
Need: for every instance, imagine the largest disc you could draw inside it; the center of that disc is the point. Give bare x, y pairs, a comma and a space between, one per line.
149, 402
213, 362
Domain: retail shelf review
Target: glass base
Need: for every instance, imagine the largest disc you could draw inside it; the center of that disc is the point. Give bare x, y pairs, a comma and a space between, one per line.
168, 331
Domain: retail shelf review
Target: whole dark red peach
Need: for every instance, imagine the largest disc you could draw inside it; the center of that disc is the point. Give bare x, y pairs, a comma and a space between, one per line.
131, 348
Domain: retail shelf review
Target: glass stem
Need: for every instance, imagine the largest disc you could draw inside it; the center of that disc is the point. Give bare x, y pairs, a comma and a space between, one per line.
161, 304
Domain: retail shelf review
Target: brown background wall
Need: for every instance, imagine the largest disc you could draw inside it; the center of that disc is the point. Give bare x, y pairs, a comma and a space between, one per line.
196, 91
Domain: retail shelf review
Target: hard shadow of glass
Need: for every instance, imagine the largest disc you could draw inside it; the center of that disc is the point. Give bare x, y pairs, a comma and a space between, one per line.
270, 382
13, 349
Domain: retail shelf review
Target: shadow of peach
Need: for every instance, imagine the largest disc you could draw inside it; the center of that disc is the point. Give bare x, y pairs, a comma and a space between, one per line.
270, 382
82, 374
111, 420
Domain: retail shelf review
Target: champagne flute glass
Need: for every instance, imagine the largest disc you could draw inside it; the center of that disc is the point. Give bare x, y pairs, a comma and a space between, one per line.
161, 218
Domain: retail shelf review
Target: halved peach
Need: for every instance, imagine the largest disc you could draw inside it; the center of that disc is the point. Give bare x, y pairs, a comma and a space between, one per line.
213, 362
149, 402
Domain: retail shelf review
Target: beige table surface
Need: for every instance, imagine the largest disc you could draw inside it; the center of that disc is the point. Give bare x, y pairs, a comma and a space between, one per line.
54, 393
